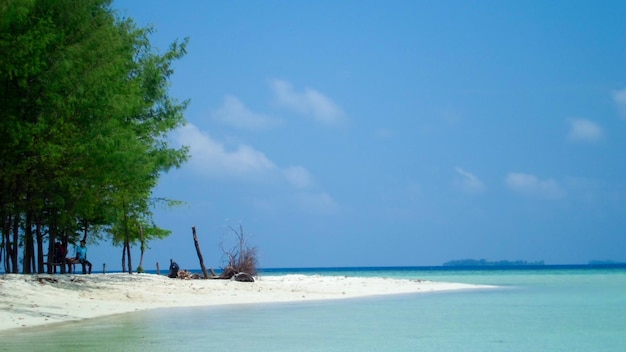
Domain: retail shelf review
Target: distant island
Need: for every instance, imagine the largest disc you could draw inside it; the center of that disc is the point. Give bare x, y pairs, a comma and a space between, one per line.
484, 262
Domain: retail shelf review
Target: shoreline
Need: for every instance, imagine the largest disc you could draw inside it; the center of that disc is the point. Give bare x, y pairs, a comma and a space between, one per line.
43, 299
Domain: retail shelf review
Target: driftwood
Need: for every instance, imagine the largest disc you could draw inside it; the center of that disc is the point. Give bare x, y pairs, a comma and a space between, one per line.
228, 273
195, 241
243, 277
186, 275
231, 273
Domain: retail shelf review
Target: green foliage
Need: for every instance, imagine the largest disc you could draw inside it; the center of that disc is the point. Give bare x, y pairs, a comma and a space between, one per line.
86, 111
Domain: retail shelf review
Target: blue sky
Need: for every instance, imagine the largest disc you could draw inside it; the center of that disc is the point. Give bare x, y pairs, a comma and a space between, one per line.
376, 133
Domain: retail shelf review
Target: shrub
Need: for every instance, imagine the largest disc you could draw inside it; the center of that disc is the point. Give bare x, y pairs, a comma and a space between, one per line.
241, 258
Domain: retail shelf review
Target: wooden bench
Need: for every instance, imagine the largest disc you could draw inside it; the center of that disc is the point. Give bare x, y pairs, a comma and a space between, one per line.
52, 266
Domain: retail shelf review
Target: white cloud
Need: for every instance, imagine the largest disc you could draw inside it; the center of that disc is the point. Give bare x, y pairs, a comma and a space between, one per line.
530, 185
211, 157
583, 130
468, 182
310, 102
619, 97
298, 176
234, 113
317, 203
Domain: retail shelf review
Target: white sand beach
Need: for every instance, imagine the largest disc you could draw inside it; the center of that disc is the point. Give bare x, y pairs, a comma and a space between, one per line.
32, 300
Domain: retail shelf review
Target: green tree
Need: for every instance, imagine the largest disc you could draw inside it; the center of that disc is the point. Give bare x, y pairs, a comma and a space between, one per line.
85, 111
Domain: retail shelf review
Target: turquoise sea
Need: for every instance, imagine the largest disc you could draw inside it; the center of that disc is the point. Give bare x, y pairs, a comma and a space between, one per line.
547, 308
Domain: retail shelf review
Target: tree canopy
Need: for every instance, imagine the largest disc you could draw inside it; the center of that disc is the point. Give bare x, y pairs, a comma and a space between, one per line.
85, 113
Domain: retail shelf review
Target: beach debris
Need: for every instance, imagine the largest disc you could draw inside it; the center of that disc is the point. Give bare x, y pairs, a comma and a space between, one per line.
228, 273
173, 269
240, 257
243, 277
186, 275
197, 244
44, 280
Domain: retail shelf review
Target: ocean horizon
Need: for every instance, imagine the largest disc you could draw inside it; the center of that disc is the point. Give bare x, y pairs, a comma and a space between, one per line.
360, 270
547, 308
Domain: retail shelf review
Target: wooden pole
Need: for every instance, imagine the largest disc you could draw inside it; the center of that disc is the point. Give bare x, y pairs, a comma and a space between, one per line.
158, 269
195, 241
104, 268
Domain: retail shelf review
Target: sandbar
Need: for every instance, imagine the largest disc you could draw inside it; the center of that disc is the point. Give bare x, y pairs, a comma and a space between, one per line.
35, 300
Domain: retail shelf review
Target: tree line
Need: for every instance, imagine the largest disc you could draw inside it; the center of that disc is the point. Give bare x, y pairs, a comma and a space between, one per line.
85, 112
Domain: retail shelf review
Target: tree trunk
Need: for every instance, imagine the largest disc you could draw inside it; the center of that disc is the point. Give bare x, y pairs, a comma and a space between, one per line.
86, 230
28, 245
195, 241
39, 237
2, 250
127, 238
124, 258
65, 245
52, 237
143, 246
16, 240
130, 263
6, 241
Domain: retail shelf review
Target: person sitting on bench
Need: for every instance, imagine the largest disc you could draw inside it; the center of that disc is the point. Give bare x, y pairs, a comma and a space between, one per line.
81, 256
59, 256
67, 260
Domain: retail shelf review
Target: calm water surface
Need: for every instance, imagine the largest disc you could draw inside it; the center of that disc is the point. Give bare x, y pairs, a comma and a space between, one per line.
532, 310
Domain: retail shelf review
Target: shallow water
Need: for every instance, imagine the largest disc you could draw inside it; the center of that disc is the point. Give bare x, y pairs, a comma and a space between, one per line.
532, 310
